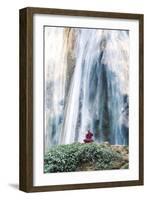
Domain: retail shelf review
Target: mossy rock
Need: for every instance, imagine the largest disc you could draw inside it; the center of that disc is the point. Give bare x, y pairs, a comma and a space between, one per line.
125, 166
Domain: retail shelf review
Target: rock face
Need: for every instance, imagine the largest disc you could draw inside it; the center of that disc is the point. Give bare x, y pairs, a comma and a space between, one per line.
124, 152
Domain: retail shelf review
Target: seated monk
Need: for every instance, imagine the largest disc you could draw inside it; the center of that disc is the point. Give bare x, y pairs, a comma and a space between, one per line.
88, 137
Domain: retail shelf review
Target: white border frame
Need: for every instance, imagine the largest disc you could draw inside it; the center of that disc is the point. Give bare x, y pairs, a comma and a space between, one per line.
41, 179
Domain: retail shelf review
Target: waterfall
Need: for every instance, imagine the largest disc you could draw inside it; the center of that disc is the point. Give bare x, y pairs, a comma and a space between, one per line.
87, 85
55, 77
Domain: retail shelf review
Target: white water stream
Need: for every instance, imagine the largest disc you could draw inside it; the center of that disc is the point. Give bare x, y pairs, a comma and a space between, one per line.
97, 94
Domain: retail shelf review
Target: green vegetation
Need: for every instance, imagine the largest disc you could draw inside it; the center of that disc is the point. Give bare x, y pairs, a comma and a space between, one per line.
83, 157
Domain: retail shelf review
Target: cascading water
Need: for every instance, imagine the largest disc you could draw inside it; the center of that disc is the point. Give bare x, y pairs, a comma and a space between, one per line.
86, 85
55, 77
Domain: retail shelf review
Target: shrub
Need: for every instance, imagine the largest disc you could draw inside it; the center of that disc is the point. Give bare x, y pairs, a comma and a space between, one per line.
68, 158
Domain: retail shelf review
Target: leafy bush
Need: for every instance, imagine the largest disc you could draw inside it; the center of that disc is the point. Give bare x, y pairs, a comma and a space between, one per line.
68, 158
62, 158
